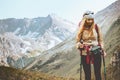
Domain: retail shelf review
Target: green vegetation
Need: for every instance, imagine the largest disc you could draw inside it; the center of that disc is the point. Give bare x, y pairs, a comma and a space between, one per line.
8, 73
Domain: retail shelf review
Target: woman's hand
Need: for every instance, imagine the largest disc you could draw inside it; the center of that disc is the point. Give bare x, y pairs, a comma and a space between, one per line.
104, 54
79, 45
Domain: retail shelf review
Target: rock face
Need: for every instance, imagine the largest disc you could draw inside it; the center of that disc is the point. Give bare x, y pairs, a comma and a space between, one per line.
10, 46
63, 59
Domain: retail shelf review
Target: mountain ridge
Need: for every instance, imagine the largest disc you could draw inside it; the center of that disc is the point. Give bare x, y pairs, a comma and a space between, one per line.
33, 35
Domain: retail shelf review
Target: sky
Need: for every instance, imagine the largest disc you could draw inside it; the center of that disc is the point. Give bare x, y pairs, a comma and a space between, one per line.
71, 10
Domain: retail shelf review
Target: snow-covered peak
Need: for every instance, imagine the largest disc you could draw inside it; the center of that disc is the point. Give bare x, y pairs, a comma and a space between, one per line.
53, 15
62, 23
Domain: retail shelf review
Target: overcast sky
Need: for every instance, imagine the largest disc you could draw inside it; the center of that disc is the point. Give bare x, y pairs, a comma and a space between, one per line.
71, 10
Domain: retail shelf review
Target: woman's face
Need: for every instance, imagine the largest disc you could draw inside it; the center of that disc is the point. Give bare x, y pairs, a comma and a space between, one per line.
89, 21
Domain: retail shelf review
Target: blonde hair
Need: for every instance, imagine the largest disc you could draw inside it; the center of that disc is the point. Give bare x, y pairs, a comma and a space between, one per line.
81, 29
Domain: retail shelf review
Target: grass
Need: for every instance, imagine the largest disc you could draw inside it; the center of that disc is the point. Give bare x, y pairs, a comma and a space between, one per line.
8, 73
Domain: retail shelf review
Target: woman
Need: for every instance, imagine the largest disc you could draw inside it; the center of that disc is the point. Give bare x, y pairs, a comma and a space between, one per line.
89, 38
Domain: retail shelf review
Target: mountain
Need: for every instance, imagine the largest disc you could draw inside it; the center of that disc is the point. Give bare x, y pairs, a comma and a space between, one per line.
21, 37
48, 30
107, 16
63, 59
60, 30
15, 47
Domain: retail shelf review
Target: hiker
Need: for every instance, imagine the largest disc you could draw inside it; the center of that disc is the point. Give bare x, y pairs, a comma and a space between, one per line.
89, 38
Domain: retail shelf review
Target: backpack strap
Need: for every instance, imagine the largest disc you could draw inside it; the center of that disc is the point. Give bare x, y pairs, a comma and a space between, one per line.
96, 28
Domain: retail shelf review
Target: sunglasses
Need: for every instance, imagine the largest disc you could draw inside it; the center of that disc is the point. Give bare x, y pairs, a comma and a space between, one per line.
88, 13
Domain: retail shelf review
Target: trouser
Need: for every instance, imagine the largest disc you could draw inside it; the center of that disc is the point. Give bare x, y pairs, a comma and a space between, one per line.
96, 64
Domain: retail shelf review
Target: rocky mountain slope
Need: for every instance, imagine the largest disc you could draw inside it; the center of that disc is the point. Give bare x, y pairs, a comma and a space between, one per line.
107, 16
112, 42
21, 37
48, 31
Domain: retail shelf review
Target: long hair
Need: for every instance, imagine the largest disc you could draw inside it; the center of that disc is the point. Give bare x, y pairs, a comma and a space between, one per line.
81, 29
